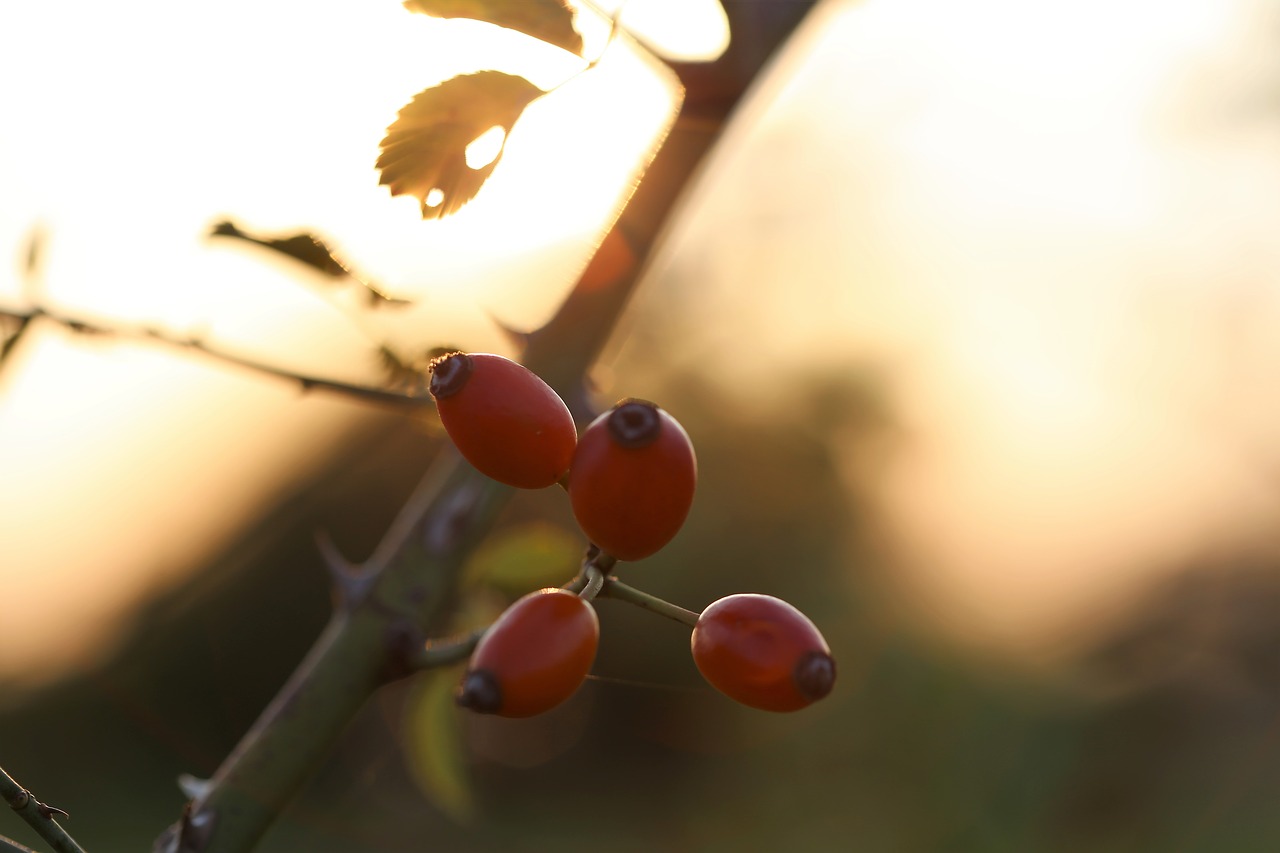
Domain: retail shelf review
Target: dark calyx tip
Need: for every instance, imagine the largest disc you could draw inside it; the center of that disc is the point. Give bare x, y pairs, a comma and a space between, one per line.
480, 692
815, 675
634, 423
449, 373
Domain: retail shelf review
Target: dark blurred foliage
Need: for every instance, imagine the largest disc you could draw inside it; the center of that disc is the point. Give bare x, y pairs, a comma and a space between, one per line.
1165, 739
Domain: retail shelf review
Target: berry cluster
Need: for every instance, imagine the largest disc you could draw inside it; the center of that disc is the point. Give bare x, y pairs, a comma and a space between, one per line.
630, 478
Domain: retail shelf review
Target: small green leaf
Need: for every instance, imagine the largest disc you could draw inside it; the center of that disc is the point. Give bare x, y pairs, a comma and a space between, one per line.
548, 20
424, 153
436, 756
525, 558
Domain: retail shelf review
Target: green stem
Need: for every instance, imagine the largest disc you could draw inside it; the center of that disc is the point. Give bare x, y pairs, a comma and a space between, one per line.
39, 815
619, 591
372, 639
8, 845
595, 581
448, 651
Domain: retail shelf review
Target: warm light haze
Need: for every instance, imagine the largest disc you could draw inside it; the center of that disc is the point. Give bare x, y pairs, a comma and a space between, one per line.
1051, 231
138, 125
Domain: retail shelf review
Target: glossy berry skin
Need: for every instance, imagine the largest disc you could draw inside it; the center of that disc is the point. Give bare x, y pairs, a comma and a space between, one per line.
632, 480
503, 419
762, 652
534, 657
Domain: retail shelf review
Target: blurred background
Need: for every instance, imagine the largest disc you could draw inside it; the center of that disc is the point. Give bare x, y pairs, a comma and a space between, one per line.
972, 318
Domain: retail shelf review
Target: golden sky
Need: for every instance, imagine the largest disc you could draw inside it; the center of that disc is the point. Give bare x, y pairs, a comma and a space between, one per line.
139, 125
1051, 226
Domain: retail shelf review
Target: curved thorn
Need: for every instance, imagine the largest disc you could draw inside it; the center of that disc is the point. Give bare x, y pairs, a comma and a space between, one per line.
351, 581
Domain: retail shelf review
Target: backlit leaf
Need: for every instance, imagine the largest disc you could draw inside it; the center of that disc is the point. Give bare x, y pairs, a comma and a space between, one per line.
424, 153
548, 20
436, 756
525, 558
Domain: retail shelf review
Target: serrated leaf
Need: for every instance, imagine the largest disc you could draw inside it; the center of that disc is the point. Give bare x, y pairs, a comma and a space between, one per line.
548, 20
424, 153
436, 756
524, 558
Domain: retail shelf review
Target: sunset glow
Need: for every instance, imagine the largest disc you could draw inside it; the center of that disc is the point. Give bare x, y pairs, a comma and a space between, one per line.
127, 460
1050, 230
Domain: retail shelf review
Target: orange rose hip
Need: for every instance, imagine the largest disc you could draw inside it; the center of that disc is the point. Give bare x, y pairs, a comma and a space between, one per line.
762, 652
533, 657
504, 420
632, 480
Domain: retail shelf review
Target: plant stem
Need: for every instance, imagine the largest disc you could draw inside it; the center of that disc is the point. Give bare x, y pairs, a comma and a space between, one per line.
8, 845
595, 581
616, 589
385, 396
367, 643
436, 653
39, 815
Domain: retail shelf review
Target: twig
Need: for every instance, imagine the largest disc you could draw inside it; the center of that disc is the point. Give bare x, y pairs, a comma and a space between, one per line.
38, 814
308, 382
8, 845
447, 651
619, 591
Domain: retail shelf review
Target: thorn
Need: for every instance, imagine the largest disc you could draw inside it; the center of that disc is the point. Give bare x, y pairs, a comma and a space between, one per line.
379, 298
518, 339
193, 788
351, 581
47, 811
24, 798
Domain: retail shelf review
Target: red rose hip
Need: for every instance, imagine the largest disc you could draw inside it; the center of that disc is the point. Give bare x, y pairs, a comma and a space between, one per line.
534, 656
632, 480
762, 652
503, 419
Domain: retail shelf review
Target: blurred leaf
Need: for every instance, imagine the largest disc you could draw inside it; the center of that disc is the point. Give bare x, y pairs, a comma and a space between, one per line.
437, 759
525, 558
312, 251
424, 153
548, 20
